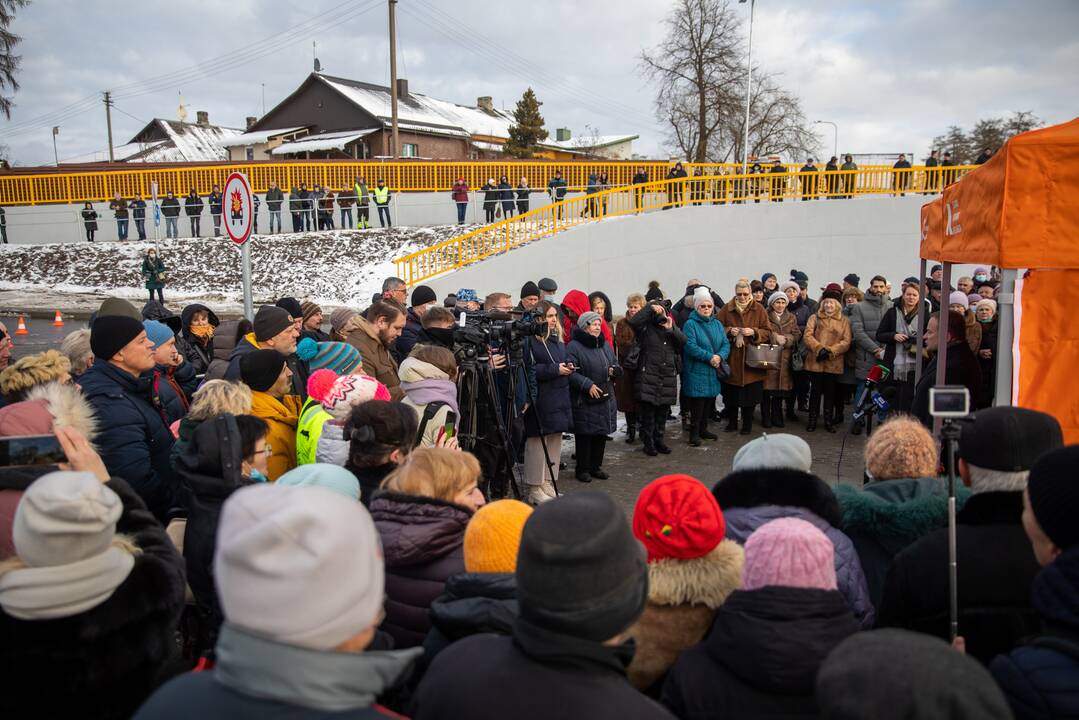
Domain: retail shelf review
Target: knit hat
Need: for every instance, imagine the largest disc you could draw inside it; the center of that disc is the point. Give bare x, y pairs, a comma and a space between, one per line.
973, 299
547, 285
340, 357
158, 332
309, 308
852, 279
111, 333
901, 448
271, 320
324, 475
801, 278
112, 307
530, 289
654, 293
340, 317
781, 451
988, 302
580, 571
467, 295
319, 383
765, 276
936, 268
422, 294
959, 298
290, 305
351, 391
281, 550
587, 318
677, 517
1008, 438
1054, 495
789, 285
895, 674
63, 530
702, 293
789, 552
260, 369
777, 295
493, 537
833, 291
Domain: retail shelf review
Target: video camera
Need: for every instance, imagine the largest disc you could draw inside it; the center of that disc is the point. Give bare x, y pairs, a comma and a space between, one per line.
480, 330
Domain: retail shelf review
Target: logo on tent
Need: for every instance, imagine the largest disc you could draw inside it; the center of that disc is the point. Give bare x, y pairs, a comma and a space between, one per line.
952, 227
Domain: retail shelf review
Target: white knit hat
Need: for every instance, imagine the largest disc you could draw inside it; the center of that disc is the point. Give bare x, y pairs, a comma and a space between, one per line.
781, 451
702, 293
959, 298
299, 565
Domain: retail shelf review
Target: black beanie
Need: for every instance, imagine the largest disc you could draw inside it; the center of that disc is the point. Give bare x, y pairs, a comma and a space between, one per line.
580, 571
260, 369
530, 289
1008, 439
271, 320
111, 333
421, 295
291, 305
1054, 495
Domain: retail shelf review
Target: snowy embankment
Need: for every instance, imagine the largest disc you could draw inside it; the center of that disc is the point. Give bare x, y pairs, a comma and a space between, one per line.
343, 267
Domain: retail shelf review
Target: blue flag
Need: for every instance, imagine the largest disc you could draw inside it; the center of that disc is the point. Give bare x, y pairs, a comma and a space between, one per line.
157, 215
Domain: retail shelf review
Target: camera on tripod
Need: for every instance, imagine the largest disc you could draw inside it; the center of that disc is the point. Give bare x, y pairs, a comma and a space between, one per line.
481, 330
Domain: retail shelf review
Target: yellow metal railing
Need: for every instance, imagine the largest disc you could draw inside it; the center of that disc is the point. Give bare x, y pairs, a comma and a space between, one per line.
542, 222
96, 185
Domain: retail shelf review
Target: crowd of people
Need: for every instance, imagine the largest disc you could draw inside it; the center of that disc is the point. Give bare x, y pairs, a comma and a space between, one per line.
270, 517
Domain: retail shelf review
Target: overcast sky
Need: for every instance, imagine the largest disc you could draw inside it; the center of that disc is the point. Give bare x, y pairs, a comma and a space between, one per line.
891, 74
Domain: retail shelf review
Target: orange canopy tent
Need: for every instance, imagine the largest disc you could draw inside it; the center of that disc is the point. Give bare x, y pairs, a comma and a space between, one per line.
1019, 211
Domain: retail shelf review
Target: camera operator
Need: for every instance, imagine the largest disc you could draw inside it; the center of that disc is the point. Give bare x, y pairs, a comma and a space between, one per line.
551, 414
656, 382
437, 328
962, 366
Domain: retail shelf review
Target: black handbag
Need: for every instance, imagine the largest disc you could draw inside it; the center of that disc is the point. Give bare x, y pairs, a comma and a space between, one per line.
723, 371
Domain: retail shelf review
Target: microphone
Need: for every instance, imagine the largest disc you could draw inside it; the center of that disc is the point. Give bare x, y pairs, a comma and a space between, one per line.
877, 374
875, 402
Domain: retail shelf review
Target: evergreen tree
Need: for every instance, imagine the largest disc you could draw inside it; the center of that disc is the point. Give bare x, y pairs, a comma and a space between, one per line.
9, 61
527, 129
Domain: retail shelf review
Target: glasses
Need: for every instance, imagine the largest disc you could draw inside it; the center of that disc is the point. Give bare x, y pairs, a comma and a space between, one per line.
742, 294
267, 451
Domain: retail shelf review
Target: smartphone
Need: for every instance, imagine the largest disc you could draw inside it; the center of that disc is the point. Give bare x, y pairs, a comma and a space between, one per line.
450, 428
25, 450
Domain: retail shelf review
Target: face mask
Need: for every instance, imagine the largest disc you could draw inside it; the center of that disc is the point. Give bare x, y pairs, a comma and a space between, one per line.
258, 477
981, 278
549, 298
985, 320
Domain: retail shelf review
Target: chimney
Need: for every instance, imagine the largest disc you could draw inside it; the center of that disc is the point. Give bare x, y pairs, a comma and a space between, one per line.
562, 134
202, 118
485, 103
250, 121
402, 88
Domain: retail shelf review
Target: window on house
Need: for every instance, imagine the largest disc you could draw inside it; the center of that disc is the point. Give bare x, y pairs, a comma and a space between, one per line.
473, 155
250, 154
410, 150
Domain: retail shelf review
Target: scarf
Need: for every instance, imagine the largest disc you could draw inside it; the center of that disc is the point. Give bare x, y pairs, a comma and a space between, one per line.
903, 365
424, 392
60, 591
203, 334
742, 306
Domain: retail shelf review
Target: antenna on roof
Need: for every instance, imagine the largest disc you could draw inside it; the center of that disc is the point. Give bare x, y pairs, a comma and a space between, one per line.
181, 111
314, 54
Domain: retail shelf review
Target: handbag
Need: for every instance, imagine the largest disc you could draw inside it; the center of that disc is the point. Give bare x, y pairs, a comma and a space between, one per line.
798, 357
764, 357
723, 371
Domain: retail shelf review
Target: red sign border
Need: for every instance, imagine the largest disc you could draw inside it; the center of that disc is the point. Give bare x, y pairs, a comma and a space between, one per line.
251, 204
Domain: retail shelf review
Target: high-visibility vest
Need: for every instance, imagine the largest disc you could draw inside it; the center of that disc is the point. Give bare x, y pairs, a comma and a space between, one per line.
382, 194
309, 430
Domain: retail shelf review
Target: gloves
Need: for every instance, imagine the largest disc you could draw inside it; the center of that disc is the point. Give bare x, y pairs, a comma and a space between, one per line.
823, 354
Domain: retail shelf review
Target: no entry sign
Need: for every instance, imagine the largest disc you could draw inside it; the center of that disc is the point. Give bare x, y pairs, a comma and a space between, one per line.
238, 209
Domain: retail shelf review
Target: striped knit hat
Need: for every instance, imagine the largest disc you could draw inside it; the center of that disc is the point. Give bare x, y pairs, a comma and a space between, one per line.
340, 357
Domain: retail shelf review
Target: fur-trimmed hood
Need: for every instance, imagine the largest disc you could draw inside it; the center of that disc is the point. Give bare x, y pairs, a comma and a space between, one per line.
46, 408
901, 508
704, 581
791, 488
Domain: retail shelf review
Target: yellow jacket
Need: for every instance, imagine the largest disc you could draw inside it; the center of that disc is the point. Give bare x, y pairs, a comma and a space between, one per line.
282, 416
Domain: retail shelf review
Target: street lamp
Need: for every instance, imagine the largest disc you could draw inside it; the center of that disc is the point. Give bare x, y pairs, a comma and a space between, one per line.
55, 132
835, 135
749, 81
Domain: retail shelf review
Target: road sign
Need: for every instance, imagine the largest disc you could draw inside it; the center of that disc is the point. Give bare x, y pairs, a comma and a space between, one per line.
238, 209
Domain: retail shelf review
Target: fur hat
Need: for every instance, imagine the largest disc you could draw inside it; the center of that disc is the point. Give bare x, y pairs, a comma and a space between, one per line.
350, 391
777, 295
789, 285
833, 291
493, 537
901, 448
677, 517
789, 552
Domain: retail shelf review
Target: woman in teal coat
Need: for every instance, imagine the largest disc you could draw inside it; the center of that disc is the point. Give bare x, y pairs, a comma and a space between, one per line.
154, 272
705, 349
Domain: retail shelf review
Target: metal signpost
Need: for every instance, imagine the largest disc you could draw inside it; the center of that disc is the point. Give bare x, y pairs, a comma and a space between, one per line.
239, 217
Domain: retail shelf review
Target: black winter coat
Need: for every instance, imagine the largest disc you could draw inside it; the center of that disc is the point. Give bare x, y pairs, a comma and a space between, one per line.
101, 663
134, 440
195, 353
422, 543
962, 369
593, 356
193, 205
473, 603
553, 409
656, 377
170, 207
409, 335
214, 200
274, 198
761, 657
535, 674
996, 571
138, 209
491, 196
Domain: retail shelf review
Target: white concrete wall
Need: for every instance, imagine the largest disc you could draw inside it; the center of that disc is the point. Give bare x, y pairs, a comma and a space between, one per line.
716, 244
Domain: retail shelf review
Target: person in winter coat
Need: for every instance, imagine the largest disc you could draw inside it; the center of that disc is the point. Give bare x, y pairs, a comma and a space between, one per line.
459, 195
656, 378
280, 548
705, 351
228, 335
505, 193
868, 351
639, 178
581, 583
429, 377
423, 298
138, 214
93, 571
381, 196
295, 209
594, 418
274, 200
213, 398
625, 339
274, 329
193, 209
770, 638
986, 314
898, 334
363, 203
421, 514
692, 570
89, 220
482, 599
491, 197
771, 479
380, 435
827, 340
216, 203
591, 189
849, 168
153, 271
374, 337
556, 190
326, 360
325, 210
170, 209
135, 440
1040, 678
522, 191
550, 407
196, 339
746, 322
995, 565
346, 198
171, 382
265, 372
574, 304
904, 501
962, 367
958, 302
321, 433
601, 305
779, 382
119, 211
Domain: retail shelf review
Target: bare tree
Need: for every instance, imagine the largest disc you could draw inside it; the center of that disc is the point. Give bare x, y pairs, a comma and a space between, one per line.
9, 62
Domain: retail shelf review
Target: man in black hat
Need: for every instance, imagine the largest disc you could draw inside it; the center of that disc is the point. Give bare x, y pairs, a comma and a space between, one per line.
996, 567
581, 583
274, 329
133, 440
530, 296
423, 297
851, 281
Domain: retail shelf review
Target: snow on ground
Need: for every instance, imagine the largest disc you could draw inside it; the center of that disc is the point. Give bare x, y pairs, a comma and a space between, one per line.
342, 267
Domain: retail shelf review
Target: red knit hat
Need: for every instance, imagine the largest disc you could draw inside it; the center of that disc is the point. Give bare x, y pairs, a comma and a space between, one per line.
677, 517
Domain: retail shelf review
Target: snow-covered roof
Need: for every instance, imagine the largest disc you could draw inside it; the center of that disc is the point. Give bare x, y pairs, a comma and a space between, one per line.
489, 146
323, 141
257, 138
120, 152
426, 113
587, 142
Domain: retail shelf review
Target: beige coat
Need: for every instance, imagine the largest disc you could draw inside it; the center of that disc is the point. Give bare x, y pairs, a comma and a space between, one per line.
832, 333
782, 378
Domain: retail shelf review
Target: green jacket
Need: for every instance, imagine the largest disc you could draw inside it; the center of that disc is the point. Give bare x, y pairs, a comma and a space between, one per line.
153, 272
309, 430
363, 197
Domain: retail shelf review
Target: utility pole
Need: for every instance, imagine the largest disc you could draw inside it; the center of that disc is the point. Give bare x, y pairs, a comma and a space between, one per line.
395, 146
263, 98
108, 122
749, 85
55, 132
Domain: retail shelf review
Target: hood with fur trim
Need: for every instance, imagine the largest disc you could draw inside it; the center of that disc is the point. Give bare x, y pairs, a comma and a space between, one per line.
704, 581
790, 488
46, 408
905, 508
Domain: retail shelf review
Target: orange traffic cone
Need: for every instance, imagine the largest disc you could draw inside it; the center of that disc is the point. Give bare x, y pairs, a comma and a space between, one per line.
59, 321
21, 330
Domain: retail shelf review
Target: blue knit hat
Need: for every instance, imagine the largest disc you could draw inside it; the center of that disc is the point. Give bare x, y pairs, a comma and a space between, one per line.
340, 357
158, 332
467, 295
325, 475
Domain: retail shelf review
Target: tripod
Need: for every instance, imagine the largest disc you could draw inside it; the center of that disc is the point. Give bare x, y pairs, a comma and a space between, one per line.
533, 401
475, 381
949, 434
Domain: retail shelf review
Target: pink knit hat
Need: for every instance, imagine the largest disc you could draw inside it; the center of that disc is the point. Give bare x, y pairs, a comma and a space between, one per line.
791, 553
348, 391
